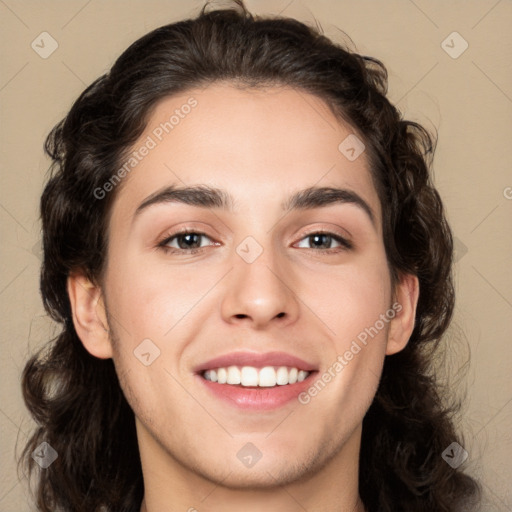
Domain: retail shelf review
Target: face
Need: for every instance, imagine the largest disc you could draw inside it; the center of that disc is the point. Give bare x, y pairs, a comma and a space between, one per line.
306, 288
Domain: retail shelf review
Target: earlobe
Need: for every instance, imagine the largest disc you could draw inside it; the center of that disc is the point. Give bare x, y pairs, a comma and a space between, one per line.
89, 317
402, 325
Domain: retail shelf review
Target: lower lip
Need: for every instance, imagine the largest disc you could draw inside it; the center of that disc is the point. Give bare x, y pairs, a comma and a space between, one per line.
257, 399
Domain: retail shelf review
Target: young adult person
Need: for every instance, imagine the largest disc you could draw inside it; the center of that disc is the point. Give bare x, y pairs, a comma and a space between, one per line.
252, 269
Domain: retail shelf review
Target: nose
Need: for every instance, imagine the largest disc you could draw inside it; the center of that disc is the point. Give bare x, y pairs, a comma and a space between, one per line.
260, 293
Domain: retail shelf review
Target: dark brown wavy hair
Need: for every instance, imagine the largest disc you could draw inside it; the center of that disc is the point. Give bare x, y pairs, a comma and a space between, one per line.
76, 399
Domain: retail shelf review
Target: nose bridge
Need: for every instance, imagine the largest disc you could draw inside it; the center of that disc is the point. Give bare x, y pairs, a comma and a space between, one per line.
260, 285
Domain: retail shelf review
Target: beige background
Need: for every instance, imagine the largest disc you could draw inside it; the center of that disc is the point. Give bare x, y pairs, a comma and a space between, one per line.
468, 99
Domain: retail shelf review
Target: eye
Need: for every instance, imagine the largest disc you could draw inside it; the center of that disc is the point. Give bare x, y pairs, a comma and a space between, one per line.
323, 240
184, 241
190, 242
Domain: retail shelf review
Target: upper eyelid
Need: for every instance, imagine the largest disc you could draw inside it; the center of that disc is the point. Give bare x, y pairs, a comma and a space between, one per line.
338, 230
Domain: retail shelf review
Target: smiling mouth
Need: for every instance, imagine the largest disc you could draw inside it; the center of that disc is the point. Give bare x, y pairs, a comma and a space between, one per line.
252, 377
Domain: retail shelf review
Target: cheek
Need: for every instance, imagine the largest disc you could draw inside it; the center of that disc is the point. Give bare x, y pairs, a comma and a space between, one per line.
354, 310
149, 300
353, 299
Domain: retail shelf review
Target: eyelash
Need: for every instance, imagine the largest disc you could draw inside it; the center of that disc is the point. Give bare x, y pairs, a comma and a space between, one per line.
345, 244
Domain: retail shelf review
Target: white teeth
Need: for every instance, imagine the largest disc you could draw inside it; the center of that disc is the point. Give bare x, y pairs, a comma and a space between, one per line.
302, 375
222, 376
282, 376
233, 375
249, 376
269, 376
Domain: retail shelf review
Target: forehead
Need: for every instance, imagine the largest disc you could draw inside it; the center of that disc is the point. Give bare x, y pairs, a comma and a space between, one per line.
258, 144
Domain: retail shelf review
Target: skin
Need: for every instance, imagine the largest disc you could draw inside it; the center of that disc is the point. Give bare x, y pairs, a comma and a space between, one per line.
260, 146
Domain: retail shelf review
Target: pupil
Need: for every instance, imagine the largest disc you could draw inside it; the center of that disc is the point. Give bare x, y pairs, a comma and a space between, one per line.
316, 237
187, 237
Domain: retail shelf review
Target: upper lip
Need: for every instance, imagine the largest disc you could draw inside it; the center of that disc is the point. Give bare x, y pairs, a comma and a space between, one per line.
255, 359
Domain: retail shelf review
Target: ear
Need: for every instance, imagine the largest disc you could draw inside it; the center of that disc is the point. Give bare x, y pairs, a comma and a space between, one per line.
89, 316
406, 299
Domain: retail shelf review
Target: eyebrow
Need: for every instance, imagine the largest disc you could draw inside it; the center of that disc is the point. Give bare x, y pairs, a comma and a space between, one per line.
205, 196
